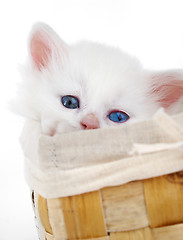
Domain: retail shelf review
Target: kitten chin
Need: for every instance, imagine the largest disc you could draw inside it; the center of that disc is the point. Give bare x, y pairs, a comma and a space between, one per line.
51, 127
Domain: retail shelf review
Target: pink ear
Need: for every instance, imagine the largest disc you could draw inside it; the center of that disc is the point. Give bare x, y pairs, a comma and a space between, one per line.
44, 45
40, 50
167, 88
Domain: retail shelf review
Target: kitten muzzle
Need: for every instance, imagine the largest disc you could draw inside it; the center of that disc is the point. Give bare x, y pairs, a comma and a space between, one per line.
90, 121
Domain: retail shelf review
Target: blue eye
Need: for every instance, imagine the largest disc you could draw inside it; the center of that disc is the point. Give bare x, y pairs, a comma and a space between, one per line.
118, 116
70, 102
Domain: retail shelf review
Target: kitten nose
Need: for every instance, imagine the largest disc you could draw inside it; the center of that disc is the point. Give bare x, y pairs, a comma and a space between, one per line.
90, 121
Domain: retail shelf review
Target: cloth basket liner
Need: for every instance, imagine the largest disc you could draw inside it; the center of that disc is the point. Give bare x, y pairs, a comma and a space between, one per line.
82, 161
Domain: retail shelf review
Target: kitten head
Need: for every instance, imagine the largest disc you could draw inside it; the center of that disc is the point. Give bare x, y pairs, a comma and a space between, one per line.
89, 85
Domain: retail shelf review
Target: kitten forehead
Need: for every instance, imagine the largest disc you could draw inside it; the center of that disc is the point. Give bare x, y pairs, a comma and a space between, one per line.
104, 60
103, 64
104, 69
98, 75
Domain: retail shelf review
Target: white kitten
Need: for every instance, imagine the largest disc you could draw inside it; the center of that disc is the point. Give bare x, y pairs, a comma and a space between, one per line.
89, 85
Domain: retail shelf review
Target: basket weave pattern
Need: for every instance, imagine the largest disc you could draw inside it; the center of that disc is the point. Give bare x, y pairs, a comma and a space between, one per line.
150, 209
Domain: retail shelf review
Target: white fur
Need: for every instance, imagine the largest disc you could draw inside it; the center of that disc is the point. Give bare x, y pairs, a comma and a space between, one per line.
103, 78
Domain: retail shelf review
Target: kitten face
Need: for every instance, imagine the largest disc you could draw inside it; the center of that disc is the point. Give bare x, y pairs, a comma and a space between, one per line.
86, 86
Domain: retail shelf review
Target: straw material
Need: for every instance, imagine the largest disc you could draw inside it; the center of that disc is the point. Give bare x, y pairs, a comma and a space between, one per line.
121, 183
142, 210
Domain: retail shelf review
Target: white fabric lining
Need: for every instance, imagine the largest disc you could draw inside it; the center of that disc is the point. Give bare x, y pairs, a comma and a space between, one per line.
83, 161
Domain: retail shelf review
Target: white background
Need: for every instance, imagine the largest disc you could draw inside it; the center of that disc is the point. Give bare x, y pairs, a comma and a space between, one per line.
150, 29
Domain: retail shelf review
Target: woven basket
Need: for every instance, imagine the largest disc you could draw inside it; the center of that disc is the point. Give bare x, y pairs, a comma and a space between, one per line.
142, 210
108, 184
